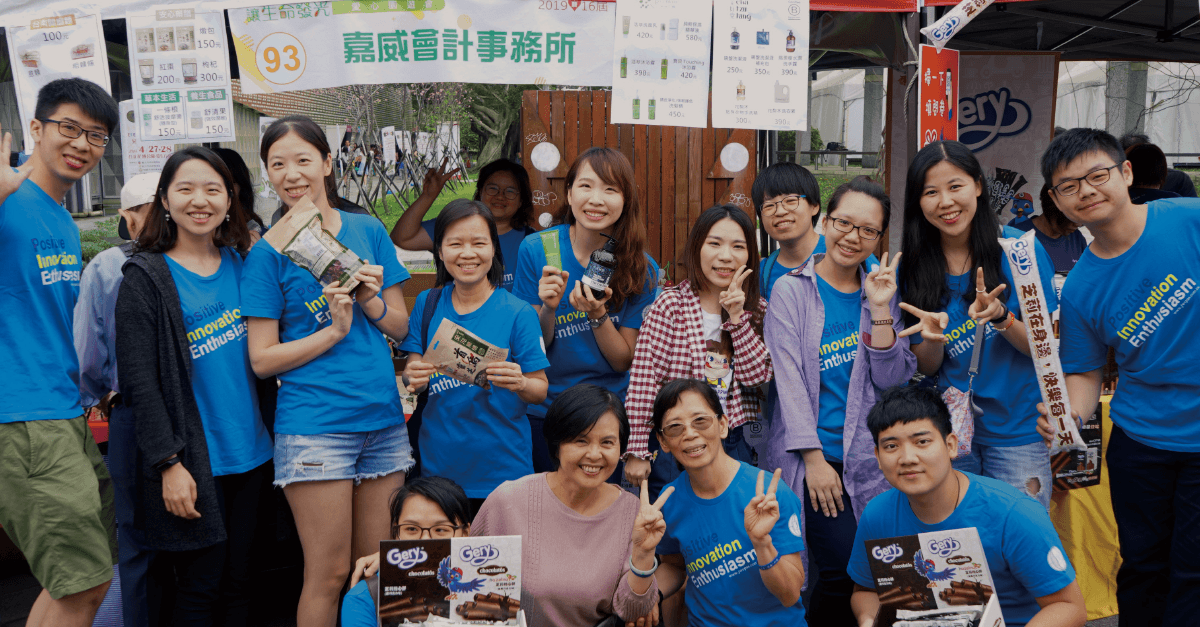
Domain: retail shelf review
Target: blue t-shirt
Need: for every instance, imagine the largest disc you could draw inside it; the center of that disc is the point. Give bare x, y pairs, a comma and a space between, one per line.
725, 586
770, 270
351, 387
1064, 251
1006, 388
574, 355
479, 438
1023, 551
510, 242
38, 289
1141, 304
839, 343
358, 608
222, 379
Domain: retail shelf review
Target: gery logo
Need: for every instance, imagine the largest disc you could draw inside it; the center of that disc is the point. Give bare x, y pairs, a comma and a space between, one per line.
408, 558
944, 546
989, 116
479, 555
887, 554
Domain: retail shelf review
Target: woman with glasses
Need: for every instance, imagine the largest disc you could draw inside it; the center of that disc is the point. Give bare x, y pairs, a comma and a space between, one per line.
426, 507
709, 327
502, 185
832, 328
955, 277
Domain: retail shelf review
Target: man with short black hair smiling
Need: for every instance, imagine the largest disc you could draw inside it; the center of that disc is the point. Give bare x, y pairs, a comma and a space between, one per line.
56, 498
914, 445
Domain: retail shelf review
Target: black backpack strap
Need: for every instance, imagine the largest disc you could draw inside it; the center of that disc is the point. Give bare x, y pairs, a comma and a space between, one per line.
414, 422
431, 303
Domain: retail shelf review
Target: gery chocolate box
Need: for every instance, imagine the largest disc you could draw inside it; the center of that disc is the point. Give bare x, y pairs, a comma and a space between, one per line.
468, 580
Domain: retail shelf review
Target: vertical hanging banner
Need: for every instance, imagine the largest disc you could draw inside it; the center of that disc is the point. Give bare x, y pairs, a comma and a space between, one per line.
180, 68
760, 64
660, 63
58, 44
138, 157
937, 94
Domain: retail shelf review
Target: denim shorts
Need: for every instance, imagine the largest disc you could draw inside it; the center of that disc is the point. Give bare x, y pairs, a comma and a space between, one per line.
337, 456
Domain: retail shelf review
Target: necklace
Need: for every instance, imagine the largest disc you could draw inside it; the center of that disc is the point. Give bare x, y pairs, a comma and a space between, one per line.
957, 491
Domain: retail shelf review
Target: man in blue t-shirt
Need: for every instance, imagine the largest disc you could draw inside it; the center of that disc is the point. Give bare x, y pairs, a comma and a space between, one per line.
56, 498
914, 445
1132, 291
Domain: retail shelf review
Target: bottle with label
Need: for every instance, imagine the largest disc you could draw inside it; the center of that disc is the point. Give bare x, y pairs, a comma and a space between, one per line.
650, 106
734, 39
664, 69
662, 31
637, 106
624, 64
600, 268
791, 42
741, 91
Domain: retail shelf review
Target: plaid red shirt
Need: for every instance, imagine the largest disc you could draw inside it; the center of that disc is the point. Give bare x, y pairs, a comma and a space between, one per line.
671, 346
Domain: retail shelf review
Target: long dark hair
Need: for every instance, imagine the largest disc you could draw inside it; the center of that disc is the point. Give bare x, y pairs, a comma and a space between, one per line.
242, 181
632, 270
310, 132
454, 211
524, 214
159, 234
923, 273
695, 274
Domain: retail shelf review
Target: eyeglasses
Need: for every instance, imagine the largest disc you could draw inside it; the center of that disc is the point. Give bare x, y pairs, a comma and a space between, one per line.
1095, 178
510, 193
700, 424
71, 130
791, 203
408, 531
864, 232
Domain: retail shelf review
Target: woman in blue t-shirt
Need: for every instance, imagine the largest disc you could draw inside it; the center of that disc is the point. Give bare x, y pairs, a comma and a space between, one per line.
502, 185
181, 351
954, 277
477, 436
588, 339
341, 447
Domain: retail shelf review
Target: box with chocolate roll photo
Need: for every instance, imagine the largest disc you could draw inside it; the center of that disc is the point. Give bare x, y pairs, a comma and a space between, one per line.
460, 580
934, 579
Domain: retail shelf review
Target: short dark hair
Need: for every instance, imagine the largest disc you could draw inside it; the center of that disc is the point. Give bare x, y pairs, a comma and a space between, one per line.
90, 97
903, 404
862, 185
1149, 165
454, 211
669, 395
783, 178
241, 178
446, 494
159, 234
524, 214
1068, 146
1129, 140
576, 411
308, 130
1050, 210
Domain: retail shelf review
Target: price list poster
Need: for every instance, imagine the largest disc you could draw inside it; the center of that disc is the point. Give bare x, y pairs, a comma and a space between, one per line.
937, 95
760, 64
660, 65
180, 69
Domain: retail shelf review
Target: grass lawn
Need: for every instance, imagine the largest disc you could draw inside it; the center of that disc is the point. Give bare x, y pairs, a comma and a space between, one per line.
390, 210
829, 182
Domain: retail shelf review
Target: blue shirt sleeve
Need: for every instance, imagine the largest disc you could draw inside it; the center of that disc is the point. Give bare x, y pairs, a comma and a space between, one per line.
1033, 551
358, 608
786, 533
261, 294
529, 271
858, 568
635, 307
385, 255
412, 341
529, 349
427, 226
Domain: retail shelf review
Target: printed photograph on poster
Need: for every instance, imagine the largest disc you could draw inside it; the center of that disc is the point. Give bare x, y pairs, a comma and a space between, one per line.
760, 64
660, 64
49, 46
937, 93
138, 157
182, 85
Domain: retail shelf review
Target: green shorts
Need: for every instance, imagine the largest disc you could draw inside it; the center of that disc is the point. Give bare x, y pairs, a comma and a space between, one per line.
56, 503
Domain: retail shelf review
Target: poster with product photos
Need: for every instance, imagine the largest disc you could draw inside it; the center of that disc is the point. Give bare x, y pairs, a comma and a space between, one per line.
660, 63
180, 66
760, 64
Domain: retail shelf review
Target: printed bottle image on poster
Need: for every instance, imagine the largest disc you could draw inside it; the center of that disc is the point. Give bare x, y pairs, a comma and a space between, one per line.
937, 95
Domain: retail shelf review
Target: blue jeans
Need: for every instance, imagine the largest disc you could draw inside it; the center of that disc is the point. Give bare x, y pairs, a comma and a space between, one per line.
338, 456
1156, 502
1025, 467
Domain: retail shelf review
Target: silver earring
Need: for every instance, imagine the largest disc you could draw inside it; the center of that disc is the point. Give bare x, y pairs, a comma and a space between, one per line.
167, 216
227, 217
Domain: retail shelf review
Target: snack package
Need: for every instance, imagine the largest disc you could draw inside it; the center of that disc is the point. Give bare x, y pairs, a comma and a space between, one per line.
933, 579
300, 236
465, 580
461, 355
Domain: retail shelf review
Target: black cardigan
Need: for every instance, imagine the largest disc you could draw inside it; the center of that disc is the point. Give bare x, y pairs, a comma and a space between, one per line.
154, 367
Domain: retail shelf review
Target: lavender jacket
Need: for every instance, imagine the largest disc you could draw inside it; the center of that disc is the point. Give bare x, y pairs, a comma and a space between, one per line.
795, 321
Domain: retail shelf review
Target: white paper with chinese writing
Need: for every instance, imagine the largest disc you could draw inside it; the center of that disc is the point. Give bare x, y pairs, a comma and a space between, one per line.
138, 157
660, 63
760, 64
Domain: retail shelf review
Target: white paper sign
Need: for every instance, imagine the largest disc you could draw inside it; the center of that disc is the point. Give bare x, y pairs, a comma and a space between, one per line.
138, 157
265, 189
660, 63
760, 64
48, 46
389, 144
180, 71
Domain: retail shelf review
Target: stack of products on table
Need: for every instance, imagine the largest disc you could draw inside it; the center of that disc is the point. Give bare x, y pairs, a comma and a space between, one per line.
453, 581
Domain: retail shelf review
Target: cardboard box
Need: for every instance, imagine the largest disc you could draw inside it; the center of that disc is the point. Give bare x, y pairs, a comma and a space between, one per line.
468, 580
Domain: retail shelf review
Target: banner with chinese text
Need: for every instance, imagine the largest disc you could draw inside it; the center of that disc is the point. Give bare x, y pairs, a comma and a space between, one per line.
307, 45
760, 64
937, 92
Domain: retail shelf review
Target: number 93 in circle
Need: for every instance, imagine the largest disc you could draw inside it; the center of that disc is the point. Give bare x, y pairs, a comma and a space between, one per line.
281, 58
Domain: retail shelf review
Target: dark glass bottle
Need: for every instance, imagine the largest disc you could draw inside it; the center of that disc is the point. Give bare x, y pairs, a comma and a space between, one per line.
600, 268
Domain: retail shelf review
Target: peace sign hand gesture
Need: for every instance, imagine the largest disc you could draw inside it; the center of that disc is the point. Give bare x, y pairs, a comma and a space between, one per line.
733, 299
762, 512
649, 526
931, 326
987, 305
880, 286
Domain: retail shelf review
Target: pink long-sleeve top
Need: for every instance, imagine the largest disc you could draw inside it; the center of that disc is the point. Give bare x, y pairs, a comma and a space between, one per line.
573, 567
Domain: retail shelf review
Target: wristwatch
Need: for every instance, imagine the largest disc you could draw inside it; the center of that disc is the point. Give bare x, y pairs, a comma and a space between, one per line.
598, 322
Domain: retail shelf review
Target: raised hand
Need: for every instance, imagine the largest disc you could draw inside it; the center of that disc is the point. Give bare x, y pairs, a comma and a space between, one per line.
987, 305
733, 299
649, 526
582, 300
880, 286
364, 568
931, 326
762, 512
11, 179
435, 178
552, 286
